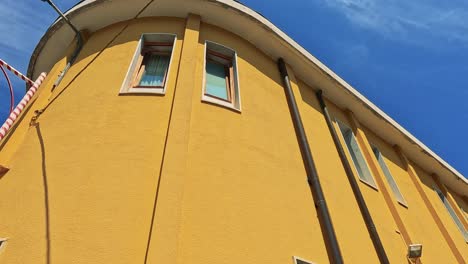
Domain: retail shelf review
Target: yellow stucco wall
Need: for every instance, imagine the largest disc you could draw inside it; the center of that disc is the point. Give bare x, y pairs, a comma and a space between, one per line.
455, 234
416, 217
385, 224
350, 228
101, 156
246, 198
109, 178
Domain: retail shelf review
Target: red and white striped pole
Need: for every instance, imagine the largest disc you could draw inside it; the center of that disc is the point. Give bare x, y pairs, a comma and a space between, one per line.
16, 72
22, 104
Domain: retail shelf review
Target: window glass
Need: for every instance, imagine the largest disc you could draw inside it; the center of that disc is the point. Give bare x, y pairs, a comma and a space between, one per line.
155, 68
356, 155
148, 71
216, 83
221, 83
452, 213
389, 177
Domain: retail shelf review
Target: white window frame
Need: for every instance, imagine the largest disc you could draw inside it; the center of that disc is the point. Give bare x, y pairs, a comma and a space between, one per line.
127, 85
389, 177
371, 183
456, 220
235, 103
295, 259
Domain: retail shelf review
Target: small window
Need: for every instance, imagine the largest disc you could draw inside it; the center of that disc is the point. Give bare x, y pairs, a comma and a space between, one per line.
221, 84
452, 213
356, 155
149, 69
301, 261
396, 191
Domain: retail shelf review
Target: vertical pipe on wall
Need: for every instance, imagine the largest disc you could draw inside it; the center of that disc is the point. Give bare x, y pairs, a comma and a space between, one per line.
415, 178
312, 176
354, 185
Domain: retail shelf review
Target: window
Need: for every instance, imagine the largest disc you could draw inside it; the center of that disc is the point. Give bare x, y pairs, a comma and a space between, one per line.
153, 69
396, 191
149, 68
356, 155
301, 261
452, 213
221, 85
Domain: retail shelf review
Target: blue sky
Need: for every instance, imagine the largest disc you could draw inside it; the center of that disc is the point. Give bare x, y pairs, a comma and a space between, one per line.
408, 57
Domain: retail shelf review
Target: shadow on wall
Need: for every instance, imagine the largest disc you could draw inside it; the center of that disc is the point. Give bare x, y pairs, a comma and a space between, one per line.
98, 52
46, 191
80, 57
245, 51
462, 202
425, 179
309, 98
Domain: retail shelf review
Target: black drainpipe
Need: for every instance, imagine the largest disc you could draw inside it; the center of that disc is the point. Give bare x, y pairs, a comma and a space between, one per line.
354, 185
328, 232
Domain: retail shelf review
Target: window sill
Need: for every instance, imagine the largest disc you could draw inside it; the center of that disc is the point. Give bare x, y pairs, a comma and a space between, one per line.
370, 185
159, 91
225, 104
403, 204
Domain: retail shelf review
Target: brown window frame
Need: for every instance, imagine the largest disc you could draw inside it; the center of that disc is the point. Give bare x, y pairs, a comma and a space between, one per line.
150, 48
213, 56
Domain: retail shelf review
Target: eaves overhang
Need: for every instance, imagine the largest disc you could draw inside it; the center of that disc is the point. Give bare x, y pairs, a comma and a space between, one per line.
93, 15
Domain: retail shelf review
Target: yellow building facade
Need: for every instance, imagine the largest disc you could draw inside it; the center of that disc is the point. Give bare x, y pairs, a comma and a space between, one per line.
103, 170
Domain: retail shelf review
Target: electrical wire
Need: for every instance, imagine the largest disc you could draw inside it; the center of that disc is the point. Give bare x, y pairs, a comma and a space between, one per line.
12, 95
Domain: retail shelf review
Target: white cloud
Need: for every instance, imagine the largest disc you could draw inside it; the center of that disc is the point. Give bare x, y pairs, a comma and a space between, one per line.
23, 23
410, 21
20, 24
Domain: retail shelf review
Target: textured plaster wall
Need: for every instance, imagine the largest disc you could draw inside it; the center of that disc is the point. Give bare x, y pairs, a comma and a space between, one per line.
416, 217
246, 197
99, 154
226, 187
449, 224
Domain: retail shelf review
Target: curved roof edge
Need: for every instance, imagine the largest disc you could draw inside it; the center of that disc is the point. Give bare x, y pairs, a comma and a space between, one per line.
253, 27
